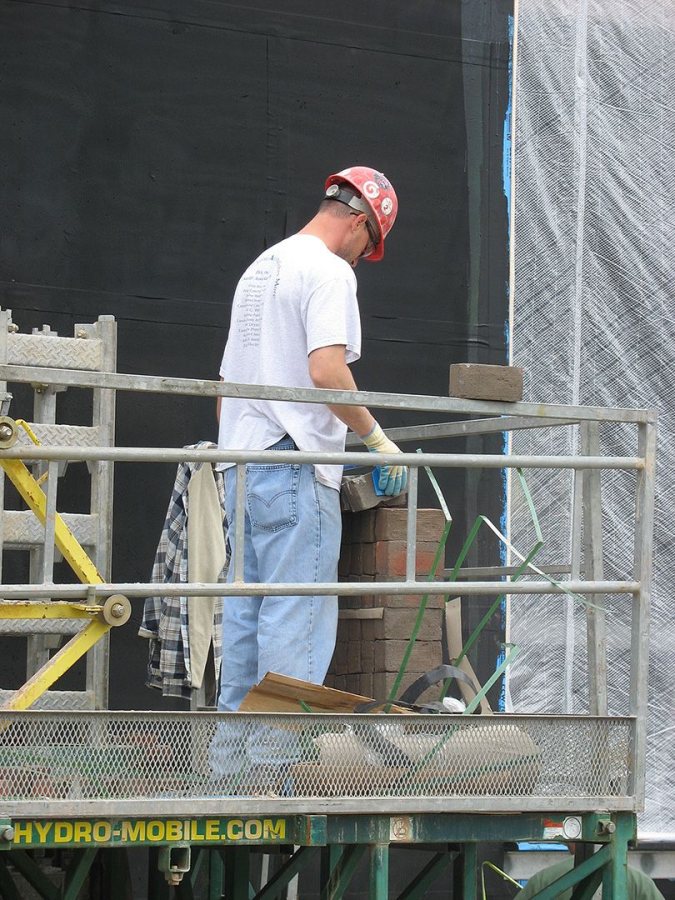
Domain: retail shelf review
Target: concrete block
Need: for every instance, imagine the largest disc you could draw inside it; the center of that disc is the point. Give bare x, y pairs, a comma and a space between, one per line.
353, 683
474, 381
370, 629
354, 657
366, 681
410, 601
357, 493
368, 559
367, 654
398, 624
347, 520
425, 655
382, 684
349, 603
359, 602
340, 682
353, 631
358, 527
363, 526
356, 562
390, 557
339, 661
392, 524
344, 562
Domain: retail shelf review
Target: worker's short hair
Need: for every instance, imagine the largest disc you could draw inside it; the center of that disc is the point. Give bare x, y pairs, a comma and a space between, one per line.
335, 208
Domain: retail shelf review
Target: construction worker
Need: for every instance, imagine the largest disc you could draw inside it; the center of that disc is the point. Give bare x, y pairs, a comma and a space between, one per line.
295, 322
640, 886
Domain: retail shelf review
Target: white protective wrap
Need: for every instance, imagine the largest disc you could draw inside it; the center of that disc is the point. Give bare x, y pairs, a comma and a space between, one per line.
593, 322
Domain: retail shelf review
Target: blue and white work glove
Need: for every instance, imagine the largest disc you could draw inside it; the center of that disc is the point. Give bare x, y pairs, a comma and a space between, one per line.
388, 480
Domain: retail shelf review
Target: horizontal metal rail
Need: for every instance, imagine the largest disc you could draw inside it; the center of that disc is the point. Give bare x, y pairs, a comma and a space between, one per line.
343, 588
364, 459
256, 806
468, 427
421, 403
499, 571
548, 769
228, 806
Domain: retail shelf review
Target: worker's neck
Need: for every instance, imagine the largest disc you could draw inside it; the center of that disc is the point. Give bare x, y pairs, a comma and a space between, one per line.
327, 228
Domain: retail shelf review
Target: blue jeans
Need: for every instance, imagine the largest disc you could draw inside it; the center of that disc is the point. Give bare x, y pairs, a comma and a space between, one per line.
292, 534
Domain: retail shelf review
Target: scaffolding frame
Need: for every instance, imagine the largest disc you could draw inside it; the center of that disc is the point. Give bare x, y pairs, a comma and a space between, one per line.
601, 818
92, 347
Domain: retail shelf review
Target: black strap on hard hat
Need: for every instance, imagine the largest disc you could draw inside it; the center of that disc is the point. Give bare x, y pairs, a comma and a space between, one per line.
353, 199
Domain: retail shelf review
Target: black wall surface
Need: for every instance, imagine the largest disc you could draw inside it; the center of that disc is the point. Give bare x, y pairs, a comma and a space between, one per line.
151, 150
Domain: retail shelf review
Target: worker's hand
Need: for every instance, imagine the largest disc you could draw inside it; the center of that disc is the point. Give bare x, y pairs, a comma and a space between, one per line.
392, 479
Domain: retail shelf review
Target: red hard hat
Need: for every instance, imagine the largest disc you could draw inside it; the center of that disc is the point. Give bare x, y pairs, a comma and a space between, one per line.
368, 191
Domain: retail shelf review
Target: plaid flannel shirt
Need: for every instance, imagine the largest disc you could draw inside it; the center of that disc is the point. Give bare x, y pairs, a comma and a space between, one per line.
165, 619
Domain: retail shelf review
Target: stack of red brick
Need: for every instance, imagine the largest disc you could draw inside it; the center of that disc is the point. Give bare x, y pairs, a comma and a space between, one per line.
374, 629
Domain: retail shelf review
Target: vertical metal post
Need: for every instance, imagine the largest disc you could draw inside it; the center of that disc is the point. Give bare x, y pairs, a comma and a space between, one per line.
236, 872
379, 872
216, 871
596, 626
44, 411
469, 862
575, 574
644, 525
239, 522
50, 523
102, 480
411, 534
615, 873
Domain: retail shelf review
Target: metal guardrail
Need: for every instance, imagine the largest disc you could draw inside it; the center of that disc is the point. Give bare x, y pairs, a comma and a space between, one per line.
128, 763
616, 746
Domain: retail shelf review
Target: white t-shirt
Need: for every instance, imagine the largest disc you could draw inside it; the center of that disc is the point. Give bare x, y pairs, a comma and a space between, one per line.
296, 297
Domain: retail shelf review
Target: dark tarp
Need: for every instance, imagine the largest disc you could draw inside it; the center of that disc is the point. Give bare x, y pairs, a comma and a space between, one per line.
151, 150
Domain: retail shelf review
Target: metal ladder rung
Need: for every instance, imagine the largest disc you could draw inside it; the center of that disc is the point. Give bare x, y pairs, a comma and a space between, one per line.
55, 352
27, 627
91, 348
61, 435
66, 700
22, 530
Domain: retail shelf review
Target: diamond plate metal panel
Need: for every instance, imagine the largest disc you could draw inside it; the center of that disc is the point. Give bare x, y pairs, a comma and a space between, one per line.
40, 626
22, 529
54, 352
56, 700
491, 762
61, 435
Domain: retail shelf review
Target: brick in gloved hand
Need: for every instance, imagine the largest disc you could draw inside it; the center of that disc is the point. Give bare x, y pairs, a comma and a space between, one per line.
391, 480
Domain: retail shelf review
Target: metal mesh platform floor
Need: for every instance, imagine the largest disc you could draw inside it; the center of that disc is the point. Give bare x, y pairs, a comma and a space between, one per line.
128, 763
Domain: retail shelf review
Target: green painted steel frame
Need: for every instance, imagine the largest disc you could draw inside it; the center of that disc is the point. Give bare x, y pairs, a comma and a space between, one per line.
345, 842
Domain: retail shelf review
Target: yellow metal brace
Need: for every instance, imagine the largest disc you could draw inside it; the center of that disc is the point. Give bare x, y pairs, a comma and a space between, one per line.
115, 611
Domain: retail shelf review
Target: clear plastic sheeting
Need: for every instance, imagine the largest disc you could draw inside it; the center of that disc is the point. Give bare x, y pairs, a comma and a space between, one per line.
593, 323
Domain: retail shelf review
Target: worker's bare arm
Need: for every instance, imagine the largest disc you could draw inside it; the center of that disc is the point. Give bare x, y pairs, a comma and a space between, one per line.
328, 369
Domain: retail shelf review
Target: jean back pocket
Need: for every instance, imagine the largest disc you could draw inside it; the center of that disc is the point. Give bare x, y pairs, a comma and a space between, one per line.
272, 495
